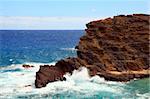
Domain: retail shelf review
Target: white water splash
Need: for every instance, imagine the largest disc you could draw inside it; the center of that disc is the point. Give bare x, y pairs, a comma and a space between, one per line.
20, 82
69, 49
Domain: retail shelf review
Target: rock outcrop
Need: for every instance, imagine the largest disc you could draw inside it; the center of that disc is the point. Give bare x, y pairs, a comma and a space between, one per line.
114, 48
27, 66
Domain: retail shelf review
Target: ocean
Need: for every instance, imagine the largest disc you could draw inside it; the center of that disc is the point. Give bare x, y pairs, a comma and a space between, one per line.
39, 47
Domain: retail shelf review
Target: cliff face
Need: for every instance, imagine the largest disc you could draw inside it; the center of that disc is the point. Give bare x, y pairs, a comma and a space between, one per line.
114, 48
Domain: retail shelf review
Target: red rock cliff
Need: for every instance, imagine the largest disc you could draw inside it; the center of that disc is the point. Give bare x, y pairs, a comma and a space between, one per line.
114, 48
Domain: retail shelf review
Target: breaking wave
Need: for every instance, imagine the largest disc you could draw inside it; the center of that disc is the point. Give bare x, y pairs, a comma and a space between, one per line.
18, 82
68, 49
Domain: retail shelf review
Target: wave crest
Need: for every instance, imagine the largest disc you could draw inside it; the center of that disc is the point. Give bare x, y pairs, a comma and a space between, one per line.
79, 84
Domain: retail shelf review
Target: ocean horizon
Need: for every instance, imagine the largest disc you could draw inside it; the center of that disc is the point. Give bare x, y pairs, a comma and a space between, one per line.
74, 49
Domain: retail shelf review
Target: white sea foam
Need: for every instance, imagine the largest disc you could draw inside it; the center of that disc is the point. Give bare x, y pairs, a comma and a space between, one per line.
13, 83
143, 96
69, 49
10, 60
21, 83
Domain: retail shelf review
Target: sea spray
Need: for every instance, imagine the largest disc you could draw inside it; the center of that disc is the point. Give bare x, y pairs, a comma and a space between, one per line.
79, 75
69, 49
20, 84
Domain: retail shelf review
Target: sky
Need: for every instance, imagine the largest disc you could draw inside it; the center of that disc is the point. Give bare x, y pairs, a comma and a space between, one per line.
63, 14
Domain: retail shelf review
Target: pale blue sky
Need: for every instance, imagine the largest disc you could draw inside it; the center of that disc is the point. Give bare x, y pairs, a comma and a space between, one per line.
63, 14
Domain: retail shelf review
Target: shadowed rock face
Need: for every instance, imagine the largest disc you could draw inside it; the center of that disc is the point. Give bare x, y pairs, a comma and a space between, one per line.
51, 73
114, 48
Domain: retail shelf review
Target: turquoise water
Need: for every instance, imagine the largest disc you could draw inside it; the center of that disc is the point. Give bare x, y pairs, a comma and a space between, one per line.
19, 84
47, 47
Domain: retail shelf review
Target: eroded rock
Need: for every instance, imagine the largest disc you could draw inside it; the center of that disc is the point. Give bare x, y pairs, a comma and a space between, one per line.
114, 48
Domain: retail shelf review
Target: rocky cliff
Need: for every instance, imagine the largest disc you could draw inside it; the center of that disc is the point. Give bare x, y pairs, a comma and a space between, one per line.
114, 48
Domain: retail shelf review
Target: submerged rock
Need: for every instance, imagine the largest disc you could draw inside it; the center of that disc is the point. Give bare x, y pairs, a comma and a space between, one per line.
27, 66
114, 48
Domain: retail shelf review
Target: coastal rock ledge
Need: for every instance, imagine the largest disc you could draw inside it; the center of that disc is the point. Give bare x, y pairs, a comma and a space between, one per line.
114, 48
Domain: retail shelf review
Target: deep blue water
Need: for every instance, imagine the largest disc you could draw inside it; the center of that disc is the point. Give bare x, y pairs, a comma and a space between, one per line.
44, 46
36, 48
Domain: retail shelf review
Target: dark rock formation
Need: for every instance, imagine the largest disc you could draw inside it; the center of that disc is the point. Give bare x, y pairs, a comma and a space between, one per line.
48, 74
27, 66
114, 48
